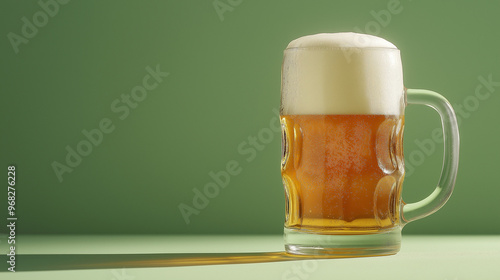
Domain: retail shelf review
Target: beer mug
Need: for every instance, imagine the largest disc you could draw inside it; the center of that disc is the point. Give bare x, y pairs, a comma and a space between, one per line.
342, 119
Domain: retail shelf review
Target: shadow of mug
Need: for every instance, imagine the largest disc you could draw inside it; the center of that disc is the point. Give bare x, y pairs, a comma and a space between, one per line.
45, 262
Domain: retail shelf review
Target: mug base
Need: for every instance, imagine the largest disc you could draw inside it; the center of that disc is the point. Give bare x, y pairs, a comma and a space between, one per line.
299, 242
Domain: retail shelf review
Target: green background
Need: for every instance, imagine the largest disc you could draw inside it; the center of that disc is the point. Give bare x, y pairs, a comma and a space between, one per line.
224, 83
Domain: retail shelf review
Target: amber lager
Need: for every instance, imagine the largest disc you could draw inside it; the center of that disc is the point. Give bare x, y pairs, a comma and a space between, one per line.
342, 173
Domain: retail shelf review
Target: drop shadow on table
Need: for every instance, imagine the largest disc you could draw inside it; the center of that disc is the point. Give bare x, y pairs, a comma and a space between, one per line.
109, 261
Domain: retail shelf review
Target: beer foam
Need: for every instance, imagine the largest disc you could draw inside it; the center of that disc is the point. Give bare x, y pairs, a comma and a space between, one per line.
342, 73
340, 40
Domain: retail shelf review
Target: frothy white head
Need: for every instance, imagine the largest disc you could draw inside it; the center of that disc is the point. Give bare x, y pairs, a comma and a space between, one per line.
342, 73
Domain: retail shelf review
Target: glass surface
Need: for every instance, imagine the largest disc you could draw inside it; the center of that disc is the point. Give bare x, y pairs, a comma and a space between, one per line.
242, 257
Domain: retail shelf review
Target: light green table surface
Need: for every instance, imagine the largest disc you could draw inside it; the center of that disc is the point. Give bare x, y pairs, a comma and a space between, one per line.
245, 257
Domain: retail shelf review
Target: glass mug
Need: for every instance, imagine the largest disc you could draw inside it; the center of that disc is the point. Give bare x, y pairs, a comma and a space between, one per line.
342, 119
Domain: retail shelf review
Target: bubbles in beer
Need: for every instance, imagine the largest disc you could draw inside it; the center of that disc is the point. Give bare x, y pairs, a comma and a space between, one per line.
340, 172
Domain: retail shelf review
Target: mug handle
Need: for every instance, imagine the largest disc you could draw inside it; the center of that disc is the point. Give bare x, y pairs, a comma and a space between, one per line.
432, 203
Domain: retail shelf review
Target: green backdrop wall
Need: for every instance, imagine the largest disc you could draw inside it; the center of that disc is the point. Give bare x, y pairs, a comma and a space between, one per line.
71, 66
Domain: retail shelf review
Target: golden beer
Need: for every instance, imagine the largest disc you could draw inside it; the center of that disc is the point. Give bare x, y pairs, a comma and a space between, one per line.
342, 173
